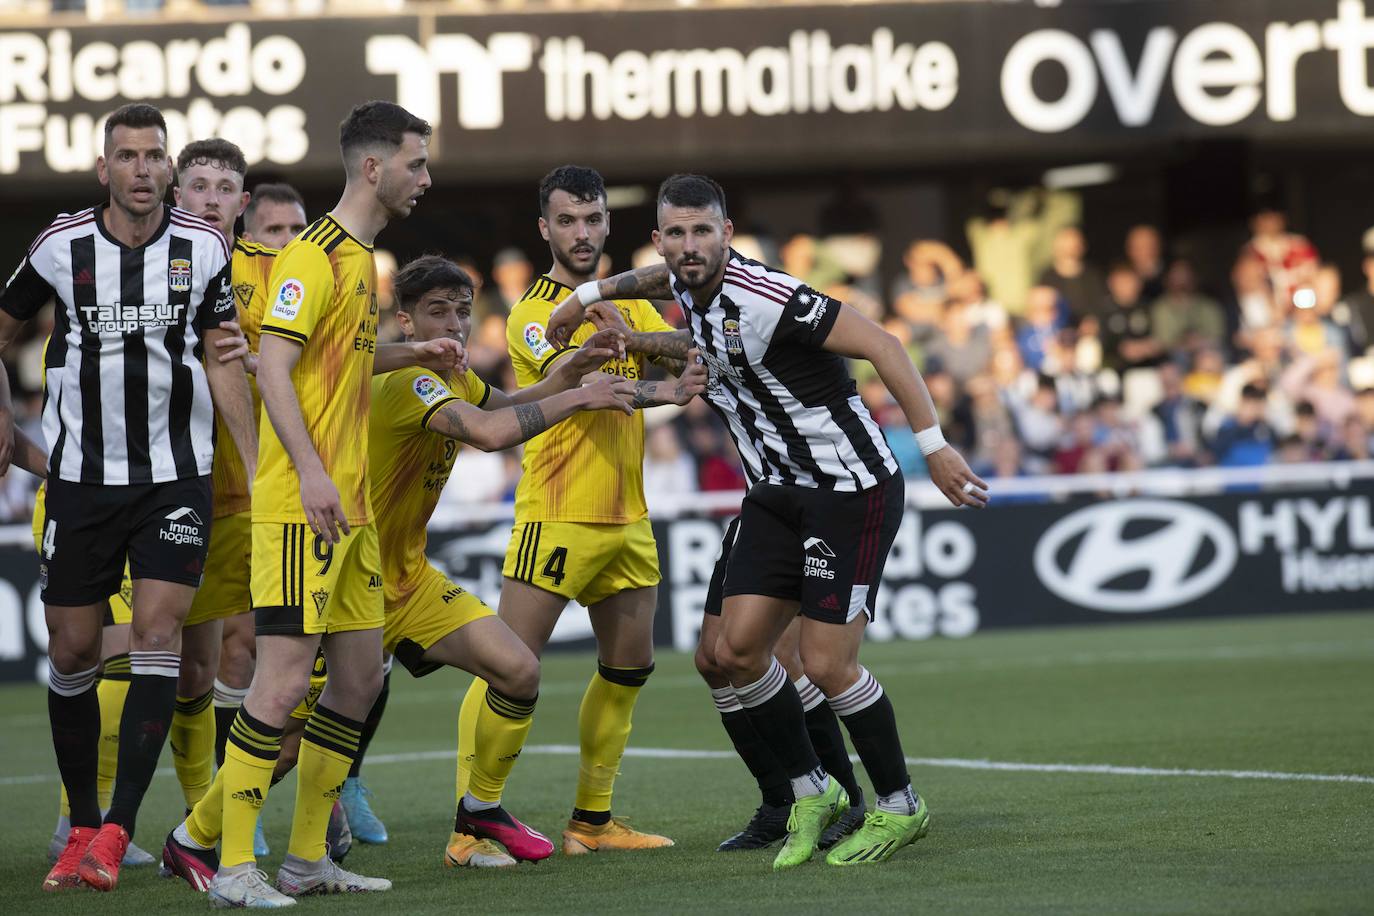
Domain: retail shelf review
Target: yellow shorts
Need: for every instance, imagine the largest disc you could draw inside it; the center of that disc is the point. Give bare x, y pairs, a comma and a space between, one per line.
319, 675
223, 589
435, 609
302, 584
583, 561
121, 603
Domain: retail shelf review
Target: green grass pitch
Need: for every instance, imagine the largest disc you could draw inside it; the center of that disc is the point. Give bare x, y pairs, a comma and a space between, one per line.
1292, 695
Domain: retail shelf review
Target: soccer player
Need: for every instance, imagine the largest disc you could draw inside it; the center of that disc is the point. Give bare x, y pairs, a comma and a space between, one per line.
581, 528
141, 290
316, 571
818, 522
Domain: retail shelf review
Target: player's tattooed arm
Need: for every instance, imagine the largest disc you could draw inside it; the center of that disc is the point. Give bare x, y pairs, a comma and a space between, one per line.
652, 282
493, 430
670, 355
678, 391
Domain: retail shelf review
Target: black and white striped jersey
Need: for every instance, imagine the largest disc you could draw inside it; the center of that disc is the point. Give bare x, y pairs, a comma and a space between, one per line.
791, 406
127, 399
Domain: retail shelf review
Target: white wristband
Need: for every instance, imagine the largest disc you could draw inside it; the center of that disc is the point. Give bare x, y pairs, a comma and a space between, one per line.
930, 440
588, 293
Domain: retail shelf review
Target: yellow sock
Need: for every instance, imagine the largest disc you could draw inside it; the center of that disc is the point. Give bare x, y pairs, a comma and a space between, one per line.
502, 726
249, 756
206, 820
192, 737
473, 703
111, 691
603, 723
328, 749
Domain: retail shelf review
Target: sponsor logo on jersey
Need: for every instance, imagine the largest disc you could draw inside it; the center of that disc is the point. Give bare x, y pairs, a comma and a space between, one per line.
734, 344
430, 390
288, 302
183, 526
535, 340
179, 275
818, 557
818, 304
120, 318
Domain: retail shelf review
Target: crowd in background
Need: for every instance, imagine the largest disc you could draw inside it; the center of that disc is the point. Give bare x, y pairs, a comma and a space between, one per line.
1045, 352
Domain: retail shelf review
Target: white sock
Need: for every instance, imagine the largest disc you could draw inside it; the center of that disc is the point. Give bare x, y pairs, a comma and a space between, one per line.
474, 804
183, 836
902, 802
813, 783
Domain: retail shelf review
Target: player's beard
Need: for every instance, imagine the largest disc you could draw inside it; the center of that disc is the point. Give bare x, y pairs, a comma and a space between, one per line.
705, 268
569, 263
391, 197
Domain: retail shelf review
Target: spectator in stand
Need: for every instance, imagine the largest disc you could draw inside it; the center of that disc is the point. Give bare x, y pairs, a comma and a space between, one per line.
1263, 367
1011, 240
1076, 451
1128, 340
1307, 331
1117, 437
804, 258
1361, 303
1251, 304
1180, 419
511, 274
1185, 319
1289, 258
718, 467
1078, 283
1309, 430
964, 349
1320, 381
1354, 444
919, 295
991, 418
1336, 316
1039, 423
1246, 439
669, 471
1038, 333
1204, 379
1145, 255
969, 290
1293, 450
951, 406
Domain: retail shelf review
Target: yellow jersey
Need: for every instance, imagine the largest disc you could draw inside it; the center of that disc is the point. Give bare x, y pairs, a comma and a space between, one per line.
252, 271
323, 297
590, 467
410, 466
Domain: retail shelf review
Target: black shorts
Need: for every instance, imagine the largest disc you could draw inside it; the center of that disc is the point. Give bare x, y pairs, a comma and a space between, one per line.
715, 592
822, 548
162, 529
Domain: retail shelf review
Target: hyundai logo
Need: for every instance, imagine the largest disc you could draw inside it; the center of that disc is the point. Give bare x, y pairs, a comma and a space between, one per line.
1090, 558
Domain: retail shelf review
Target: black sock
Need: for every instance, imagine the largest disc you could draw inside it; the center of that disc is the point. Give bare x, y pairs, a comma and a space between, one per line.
824, 729
774, 785
775, 709
224, 717
595, 818
74, 713
873, 730
374, 719
143, 731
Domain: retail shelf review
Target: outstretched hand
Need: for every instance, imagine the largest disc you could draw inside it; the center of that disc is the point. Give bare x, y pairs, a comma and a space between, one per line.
443, 354
951, 474
564, 322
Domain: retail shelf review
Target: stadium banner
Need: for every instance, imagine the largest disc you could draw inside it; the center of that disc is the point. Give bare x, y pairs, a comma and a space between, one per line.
953, 573
753, 88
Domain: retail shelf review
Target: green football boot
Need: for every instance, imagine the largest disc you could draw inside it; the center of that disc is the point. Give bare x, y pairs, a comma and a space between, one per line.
882, 834
811, 814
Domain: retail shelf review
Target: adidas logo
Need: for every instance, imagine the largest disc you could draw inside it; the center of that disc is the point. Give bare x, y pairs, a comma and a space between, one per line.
361, 290
253, 796
186, 512
335, 792
83, 278
830, 602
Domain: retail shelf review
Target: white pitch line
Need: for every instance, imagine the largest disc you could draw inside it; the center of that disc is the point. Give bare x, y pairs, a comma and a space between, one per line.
953, 763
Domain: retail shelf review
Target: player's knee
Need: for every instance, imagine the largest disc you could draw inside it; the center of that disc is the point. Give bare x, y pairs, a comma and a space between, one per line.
236, 665
832, 675
69, 659
158, 634
278, 695
707, 666
740, 663
196, 676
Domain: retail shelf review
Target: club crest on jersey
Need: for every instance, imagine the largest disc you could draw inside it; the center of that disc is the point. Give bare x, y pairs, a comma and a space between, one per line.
535, 340
429, 390
288, 302
244, 293
734, 344
179, 275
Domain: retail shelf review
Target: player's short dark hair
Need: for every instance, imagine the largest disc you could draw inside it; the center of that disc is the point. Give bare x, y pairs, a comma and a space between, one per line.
378, 123
426, 274
216, 152
579, 182
275, 193
135, 115
695, 191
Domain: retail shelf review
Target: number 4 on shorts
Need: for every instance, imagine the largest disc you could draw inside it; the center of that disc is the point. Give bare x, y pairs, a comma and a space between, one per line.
50, 539
553, 567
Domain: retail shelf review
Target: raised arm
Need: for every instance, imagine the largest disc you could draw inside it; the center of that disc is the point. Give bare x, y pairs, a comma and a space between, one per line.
494, 429
857, 337
651, 282
439, 355
319, 497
